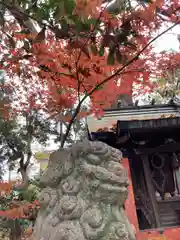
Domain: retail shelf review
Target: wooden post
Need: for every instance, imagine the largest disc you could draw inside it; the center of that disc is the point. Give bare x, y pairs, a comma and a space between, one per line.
176, 181
150, 189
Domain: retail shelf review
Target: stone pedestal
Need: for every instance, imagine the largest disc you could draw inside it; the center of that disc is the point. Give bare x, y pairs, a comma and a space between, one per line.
85, 188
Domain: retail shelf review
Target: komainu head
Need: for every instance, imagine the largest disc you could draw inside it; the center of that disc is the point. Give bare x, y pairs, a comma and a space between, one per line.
85, 188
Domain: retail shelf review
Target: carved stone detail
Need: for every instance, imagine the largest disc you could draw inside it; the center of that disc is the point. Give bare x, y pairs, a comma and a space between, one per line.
85, 188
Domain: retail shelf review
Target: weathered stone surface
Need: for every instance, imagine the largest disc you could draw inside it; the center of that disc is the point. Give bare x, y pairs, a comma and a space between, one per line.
85, 189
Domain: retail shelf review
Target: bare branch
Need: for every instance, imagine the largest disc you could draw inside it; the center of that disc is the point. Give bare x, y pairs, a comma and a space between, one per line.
131, 60
24, 19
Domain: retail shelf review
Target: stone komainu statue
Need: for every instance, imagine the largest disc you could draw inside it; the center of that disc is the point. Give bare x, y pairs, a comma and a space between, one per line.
85, 190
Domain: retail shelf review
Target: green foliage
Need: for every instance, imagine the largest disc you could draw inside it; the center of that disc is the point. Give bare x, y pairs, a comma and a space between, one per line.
111, 58
14, 137
69, 6
167, 87
101, 51
29, 194
18, 134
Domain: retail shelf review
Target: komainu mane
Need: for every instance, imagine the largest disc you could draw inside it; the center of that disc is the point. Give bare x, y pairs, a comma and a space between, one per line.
85, 190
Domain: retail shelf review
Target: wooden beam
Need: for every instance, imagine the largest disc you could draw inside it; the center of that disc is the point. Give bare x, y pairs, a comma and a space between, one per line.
150, 189
169, 147
149, 124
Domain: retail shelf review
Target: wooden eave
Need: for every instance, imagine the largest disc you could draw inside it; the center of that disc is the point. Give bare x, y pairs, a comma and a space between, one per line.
135, 117
152, 124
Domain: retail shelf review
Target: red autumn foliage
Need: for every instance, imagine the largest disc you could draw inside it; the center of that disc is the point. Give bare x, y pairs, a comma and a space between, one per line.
16, 209
75, 71
5, 188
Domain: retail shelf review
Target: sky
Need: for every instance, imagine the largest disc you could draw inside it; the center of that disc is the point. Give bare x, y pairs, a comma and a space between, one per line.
169, 40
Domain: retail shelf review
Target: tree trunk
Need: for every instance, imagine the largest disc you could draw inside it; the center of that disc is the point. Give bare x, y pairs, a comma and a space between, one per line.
15, 230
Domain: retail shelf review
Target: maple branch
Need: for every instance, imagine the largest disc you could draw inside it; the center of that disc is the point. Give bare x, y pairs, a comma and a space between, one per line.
109, 78
78, 81
47, 69
72, 121
24, 19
